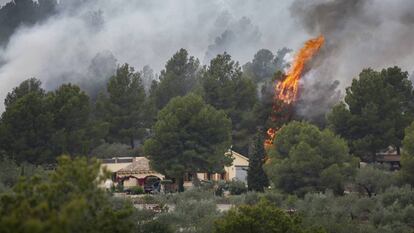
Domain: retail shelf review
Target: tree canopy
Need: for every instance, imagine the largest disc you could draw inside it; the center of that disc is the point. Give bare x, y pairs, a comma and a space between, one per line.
178, 78
124, 109
68, 200
305, 159
27, 124
26, 87
256, 177
189, 136
261, 218
373, 180
407, 160
70, 108
378, 107
225, 88
37, 126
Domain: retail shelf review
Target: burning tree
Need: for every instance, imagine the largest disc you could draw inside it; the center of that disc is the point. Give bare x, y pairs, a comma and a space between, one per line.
286, 92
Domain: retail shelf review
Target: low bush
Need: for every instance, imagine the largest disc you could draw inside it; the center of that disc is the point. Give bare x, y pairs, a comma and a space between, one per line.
119, 188
220, 187
237, 187
263, 217
136, 190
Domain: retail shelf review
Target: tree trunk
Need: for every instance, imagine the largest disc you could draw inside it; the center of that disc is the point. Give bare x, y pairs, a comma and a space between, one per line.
398, 150
180, 184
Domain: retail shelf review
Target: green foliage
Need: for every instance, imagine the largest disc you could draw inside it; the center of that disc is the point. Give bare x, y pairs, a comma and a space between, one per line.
225, 88
261, 218
155, 226
219, 187
125, 107
189, 136
27, 124
70, 108
192, 194
192, 216
237, 187
372, 180
136, 190
390, 211
194, 210
178, 79
335, 214
378, 109
119, 188
10, 172
407, 159
256, 177
31, 85
37, 126
306, 159
110, 150
67, 201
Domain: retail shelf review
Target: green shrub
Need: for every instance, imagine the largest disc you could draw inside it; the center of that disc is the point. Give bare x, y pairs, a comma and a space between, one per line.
237, 200
221, 186
261, 218
274, 197
136, 190
207, 185
195, 194
155, 226
251, 198
149, 199
119, 188
237, 187
196, 215
166, 182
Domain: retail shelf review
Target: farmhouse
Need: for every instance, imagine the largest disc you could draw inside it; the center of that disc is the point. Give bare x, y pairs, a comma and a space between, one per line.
136, 171
131, 172
236, 171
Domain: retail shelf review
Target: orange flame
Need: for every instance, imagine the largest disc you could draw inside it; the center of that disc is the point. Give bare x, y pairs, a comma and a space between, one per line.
287, 90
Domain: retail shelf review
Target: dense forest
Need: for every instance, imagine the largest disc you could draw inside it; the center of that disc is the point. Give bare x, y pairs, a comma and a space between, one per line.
321, 174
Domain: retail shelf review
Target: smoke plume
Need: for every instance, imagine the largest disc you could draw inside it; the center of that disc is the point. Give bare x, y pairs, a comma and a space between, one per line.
86, 39
63, 48
359, 34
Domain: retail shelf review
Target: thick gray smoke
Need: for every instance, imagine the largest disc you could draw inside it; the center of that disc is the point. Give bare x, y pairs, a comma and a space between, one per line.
359, 34
138, 32
85, 41
240, 34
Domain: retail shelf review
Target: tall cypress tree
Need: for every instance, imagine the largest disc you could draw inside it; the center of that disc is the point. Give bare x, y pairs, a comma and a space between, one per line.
256, 177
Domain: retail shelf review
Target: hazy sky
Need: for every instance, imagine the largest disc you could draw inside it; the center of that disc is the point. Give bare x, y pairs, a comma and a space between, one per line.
359, 34
143, 33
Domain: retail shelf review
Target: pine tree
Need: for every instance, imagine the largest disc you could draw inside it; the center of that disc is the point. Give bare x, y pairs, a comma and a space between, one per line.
256, 177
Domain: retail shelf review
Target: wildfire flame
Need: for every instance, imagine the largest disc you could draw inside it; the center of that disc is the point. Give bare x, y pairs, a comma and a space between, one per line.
287, 90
